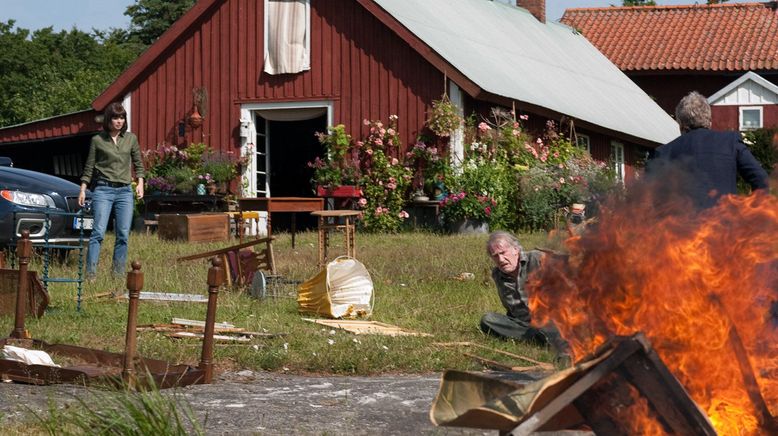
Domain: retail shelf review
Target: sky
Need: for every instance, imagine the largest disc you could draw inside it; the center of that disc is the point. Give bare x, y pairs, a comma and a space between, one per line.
105, 14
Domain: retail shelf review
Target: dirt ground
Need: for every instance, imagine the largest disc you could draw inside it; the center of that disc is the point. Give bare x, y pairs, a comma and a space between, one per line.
249, 402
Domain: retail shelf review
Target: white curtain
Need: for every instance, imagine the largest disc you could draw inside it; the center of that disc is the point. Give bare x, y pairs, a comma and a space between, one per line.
297, 114
287, 36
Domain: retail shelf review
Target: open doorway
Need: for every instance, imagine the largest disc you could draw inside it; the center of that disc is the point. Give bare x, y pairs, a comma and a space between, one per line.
284, 149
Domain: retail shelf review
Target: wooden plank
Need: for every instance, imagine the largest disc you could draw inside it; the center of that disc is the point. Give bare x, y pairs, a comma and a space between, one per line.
502, 366
169, 296
224, 250
543, 365
218, 338
198, 323
366, 327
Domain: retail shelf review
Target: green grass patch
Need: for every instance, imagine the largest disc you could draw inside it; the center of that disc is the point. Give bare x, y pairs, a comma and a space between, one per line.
414, 289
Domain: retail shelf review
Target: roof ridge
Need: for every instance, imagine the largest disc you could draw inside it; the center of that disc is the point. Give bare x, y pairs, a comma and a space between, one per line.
659, 7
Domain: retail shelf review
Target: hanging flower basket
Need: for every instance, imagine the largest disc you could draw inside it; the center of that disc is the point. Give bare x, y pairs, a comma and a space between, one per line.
343, 191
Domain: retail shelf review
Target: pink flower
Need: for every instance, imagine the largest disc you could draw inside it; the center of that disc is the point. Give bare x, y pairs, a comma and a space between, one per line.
379, 210
384, 210
391, 185
515, 124
556, 154
523, 117
390, 131
378, 142
516, 132
395, 161
488, 211
403, 214
369, 151
360, 143
483, 127
366, 122
362, 202
561, 180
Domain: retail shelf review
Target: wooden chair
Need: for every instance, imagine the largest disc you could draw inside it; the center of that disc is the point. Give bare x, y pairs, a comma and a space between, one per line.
242, 259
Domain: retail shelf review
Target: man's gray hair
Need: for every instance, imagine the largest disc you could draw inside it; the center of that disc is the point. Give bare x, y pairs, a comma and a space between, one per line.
500, 236
693, 112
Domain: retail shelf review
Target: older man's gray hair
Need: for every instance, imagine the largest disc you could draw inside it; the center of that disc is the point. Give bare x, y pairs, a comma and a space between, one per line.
504, 237
693, 112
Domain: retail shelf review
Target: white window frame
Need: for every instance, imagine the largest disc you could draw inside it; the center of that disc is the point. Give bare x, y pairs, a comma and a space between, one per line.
583, 141
247, 143
617, 159
741, 109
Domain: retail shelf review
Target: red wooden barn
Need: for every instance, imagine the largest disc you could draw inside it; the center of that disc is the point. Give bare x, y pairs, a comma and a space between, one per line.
276, 72
727, 52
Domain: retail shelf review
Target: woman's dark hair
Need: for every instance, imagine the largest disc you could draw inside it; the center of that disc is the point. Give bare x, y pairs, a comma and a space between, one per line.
113, 110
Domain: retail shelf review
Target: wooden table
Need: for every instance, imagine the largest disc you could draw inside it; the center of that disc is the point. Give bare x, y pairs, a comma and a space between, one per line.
348, 228
281, 204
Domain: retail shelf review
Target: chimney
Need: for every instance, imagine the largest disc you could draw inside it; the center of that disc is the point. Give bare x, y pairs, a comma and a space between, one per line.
535, 7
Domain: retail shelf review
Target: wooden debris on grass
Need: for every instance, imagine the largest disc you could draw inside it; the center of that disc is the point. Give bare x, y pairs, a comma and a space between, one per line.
169, 296
196, 327
217, 338
360, 327
536, 364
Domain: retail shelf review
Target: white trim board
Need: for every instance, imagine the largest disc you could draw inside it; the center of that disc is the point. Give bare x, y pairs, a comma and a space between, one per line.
748, 89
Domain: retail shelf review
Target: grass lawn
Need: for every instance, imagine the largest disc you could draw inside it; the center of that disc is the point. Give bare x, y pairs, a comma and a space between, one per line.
414, 288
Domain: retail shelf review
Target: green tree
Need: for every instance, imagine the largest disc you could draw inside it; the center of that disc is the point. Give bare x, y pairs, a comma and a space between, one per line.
46, 73
151, 18
638, 3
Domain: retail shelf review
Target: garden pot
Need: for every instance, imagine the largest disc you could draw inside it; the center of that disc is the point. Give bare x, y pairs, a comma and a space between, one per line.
344, 191
195, 119
468, 226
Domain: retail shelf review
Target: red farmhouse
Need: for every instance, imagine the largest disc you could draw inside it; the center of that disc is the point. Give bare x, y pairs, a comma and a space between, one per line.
275, 72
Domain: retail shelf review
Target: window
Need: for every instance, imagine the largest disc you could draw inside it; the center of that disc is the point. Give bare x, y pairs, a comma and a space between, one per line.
617, 159
583, 142
287, 36
750, 117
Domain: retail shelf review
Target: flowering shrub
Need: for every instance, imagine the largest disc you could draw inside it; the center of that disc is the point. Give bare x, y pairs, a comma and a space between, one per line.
429, 166
385, 180
171, 169
467, 206
373, 165
546, 187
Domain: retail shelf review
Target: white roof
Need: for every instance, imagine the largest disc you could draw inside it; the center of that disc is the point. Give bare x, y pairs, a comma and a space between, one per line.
506, 51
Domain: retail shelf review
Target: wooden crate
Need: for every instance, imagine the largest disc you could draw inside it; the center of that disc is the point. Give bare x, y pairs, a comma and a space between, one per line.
203, 227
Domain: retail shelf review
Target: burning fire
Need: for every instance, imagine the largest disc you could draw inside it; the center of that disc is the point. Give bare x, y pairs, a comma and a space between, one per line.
701, 285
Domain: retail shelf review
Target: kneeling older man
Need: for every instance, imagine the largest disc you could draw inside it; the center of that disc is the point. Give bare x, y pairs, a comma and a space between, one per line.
512, 266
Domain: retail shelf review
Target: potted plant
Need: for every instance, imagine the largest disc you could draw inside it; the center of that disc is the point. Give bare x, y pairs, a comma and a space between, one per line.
444, 117
337, 173
467, 212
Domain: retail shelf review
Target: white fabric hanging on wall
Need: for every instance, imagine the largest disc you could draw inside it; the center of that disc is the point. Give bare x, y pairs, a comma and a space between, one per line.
287, 36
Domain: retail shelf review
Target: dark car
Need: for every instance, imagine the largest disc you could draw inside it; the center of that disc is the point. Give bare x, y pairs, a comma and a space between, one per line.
29, 198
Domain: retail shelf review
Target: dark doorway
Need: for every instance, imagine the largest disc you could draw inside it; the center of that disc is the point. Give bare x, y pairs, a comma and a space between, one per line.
292, 144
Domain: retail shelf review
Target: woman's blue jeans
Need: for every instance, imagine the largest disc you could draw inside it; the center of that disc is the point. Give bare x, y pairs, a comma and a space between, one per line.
122, 201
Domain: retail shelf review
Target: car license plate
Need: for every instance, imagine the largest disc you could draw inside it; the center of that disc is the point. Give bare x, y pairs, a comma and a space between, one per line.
86, 223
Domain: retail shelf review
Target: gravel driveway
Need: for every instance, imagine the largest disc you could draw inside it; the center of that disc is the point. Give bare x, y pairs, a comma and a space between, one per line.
249, 402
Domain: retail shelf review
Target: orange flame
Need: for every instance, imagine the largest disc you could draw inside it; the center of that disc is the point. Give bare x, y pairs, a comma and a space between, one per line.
684, 278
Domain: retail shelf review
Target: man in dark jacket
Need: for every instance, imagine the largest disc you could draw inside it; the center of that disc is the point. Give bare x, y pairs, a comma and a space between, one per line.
709, 160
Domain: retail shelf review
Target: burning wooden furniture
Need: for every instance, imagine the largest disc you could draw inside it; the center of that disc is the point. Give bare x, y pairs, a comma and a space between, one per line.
622, 389
93, 366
